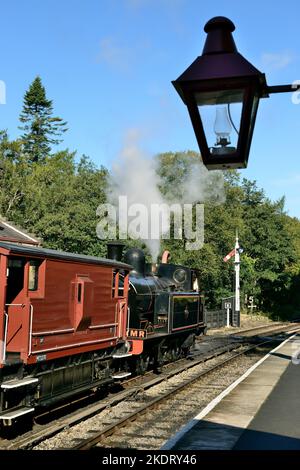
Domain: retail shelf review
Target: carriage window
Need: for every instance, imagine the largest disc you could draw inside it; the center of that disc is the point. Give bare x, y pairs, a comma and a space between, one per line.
118, 284
15, 263
79, 292
121, 286
33, 280
15, 278
114, 280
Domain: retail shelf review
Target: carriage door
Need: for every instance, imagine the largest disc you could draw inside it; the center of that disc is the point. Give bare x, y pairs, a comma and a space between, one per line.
16, 309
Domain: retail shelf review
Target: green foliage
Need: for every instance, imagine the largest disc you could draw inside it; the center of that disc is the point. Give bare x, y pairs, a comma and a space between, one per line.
270, 264
41, 128
56, 198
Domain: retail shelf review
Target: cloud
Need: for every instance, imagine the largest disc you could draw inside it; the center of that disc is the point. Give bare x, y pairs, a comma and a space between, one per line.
113, 54
137, 3
291, 180
276, 61
120, 57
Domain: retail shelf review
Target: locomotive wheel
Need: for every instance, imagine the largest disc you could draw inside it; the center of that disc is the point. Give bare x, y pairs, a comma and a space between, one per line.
142, 364
176, 353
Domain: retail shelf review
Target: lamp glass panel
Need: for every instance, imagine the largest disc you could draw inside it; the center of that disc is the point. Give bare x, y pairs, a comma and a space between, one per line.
220, 113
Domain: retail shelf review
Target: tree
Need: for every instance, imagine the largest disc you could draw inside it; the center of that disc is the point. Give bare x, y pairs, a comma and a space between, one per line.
270, 267
41, 129
57, 198
60, 199
13, 173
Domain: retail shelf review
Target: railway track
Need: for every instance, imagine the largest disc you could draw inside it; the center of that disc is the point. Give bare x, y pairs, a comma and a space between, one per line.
264, 328
138, 386
157, 406
131, 388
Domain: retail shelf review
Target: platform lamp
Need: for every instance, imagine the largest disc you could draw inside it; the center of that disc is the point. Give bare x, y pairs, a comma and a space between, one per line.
221, 90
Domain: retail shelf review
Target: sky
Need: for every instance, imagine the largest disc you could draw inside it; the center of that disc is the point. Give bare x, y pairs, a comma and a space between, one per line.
108, 66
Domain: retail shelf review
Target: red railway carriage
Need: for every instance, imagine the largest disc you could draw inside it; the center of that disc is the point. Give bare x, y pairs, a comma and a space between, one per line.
56, 304
66, 309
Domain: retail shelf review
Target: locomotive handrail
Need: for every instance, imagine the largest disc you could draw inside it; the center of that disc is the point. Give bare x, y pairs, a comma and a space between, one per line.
116, 320
15, 305
5, 338
120, 313
119, 319
30, 329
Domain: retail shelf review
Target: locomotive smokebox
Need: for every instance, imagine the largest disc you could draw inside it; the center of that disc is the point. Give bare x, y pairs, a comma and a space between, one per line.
115, 250
136, 258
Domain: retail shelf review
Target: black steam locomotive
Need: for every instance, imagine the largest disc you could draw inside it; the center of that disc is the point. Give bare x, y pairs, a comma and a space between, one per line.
165, 307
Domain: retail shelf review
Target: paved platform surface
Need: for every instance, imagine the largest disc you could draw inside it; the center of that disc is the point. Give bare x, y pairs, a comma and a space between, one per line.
261, 411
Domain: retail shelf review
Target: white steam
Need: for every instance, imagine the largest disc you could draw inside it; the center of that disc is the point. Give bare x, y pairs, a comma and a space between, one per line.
134, 175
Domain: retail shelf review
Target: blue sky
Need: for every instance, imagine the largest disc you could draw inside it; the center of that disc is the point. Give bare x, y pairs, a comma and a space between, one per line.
108, 65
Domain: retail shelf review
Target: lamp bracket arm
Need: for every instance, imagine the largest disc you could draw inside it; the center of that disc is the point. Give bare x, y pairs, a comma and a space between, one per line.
283, 88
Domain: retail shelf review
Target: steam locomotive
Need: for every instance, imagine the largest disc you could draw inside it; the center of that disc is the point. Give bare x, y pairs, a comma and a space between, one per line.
70, 322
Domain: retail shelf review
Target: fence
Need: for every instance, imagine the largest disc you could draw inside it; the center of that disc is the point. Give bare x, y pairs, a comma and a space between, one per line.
218, 318
215, 318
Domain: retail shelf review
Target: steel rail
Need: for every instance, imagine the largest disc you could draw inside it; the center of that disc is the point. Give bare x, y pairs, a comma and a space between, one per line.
111, 429
28, 442
74, 418
278, 326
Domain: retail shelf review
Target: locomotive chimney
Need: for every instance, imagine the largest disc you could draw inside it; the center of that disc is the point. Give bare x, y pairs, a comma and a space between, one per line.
115, 250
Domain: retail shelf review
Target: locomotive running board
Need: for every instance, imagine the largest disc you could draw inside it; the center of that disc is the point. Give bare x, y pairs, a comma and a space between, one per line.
121, 375
8, 416
19, 382
120, 356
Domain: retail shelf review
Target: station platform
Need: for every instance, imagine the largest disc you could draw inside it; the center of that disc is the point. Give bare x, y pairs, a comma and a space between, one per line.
260, 411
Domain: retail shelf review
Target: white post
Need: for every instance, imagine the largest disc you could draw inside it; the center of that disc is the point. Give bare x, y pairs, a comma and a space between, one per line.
228, 318
237, 275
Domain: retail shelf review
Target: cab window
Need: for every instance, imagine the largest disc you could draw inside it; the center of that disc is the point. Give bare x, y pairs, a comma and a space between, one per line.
33, 278
117, 284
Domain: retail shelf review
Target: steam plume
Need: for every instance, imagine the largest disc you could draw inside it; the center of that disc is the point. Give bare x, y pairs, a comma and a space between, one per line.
134, 174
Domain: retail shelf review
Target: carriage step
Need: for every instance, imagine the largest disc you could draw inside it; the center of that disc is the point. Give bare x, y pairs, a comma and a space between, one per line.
9, 415
120, 356
121, 375
14, 383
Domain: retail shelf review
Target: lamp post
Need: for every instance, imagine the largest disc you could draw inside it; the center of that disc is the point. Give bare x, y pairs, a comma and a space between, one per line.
237, 263
221, 90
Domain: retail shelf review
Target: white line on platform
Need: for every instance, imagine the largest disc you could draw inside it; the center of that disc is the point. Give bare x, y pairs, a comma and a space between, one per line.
171, 442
